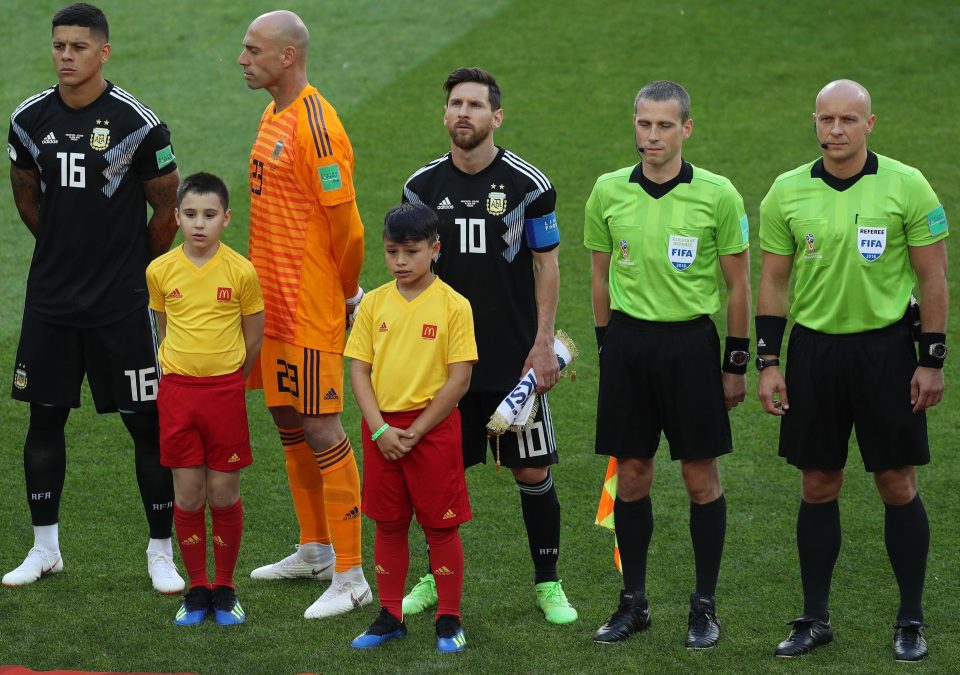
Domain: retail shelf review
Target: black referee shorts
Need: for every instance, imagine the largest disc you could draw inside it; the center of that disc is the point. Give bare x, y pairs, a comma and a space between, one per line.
860, 380
535, 446
119, 360
661, 376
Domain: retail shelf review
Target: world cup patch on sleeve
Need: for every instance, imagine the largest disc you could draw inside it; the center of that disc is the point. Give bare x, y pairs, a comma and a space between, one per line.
330, 177
682, 251
744, 229
937, 221
871, 242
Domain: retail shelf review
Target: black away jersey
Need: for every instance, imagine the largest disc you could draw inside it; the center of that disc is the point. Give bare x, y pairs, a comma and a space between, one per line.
91, 253
489, 224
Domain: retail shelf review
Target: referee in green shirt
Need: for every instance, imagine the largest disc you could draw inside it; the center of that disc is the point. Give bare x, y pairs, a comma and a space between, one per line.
860, 230
660, 233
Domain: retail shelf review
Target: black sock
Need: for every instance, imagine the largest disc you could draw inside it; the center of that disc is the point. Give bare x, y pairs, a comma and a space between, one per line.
907, 535
45, 462
541, 516
708, 527
155, 481
818, 543
634, 524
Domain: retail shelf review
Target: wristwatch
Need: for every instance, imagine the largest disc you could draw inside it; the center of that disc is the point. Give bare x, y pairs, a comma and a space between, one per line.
739, 358
766, 363
938, 350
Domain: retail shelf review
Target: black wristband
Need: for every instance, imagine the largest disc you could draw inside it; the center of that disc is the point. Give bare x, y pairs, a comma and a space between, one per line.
770, 333
601, 331
933, 350
736, 355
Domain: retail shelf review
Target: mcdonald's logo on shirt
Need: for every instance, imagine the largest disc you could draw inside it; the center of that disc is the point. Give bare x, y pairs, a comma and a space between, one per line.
224, 294
429, 332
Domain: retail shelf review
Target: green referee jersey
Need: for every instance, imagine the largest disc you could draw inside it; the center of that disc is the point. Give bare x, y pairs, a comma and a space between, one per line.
849, 240
665, 240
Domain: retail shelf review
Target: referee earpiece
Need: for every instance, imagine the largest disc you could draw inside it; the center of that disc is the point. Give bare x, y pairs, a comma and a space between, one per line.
817, 134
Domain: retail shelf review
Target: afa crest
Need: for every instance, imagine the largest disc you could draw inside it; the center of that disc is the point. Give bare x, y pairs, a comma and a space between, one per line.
497, 203
100, 138
20, 377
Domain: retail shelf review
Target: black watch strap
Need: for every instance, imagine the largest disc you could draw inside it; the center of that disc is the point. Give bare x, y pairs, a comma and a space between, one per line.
766, 363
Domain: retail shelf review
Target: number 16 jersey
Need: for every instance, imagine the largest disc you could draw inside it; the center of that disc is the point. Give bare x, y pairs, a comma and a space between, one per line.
490, 223
92, 249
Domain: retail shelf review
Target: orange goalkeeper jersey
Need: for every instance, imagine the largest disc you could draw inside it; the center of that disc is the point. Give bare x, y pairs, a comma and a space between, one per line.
306, 238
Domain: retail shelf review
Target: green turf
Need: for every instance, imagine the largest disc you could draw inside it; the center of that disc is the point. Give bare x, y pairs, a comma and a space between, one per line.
569, 71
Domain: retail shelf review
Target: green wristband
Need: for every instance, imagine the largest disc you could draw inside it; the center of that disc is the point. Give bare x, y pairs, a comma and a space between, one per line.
379, 432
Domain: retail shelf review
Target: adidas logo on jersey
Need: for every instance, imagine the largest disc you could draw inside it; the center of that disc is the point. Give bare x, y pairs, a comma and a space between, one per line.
233, 458
218, 541
383, 327
445, 204
191, 540
354, 513
331, 395
449, 514
442, 571
49, 139
380, 570
761, 343
174, 294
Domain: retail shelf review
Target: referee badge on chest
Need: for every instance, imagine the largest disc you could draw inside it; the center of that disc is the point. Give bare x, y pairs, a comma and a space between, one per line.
682, 251
871, 242
625, 253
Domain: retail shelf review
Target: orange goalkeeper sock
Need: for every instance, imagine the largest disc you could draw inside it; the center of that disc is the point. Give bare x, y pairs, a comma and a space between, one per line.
341, 493
306, 487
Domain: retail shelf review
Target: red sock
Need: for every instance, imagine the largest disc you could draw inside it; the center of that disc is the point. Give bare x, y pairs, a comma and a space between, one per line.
391, 554
192, 537
446, 559
227, 532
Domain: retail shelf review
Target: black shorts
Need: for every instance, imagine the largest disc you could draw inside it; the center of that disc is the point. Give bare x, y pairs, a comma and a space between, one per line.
534, 446
661, 376
119, 360
862, 380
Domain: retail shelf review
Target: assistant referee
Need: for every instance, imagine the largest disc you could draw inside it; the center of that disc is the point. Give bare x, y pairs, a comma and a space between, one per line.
860, 229
659, 234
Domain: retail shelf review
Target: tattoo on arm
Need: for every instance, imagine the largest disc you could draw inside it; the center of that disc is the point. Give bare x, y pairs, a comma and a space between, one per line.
161, 193
26, 195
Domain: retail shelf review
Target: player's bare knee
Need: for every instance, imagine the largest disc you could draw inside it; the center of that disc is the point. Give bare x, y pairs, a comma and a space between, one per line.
702, 480
897, 486
821, 486
322, 431
191, 500
634, 478
531, 475
286, 417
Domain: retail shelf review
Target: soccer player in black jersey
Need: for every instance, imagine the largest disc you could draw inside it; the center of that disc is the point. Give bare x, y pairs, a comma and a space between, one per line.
499, 239
86, 158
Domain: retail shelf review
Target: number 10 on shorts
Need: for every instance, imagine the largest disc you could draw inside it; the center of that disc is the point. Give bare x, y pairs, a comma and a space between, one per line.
143, 384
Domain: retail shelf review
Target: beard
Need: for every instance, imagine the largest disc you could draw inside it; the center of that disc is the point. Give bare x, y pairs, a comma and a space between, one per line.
471, 140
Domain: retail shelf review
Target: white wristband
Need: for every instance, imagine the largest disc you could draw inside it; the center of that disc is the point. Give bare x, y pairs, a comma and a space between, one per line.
355, 300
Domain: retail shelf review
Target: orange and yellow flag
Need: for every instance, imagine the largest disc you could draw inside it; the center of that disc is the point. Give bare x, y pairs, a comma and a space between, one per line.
608, 494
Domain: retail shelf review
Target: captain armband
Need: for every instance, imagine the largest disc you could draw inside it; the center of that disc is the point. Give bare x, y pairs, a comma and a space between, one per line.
542, 232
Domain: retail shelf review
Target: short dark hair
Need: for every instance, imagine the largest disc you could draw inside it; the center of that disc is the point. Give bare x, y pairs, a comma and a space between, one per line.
83, 15
408, 223
204, 183
665, 90
478, 75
